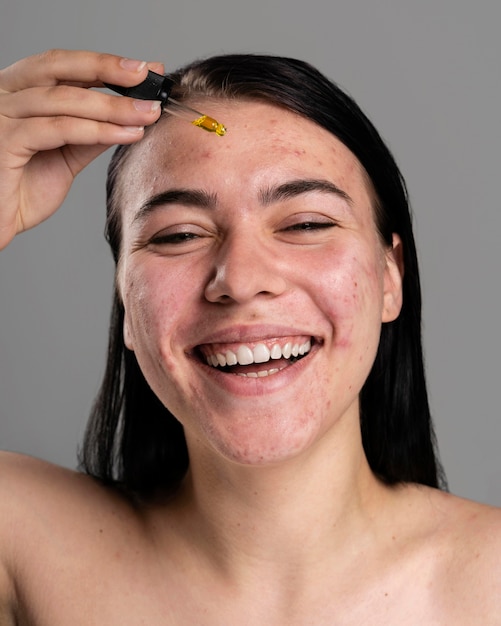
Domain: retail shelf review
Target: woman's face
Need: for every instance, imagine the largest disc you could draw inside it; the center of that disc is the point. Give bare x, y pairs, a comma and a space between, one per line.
253, 279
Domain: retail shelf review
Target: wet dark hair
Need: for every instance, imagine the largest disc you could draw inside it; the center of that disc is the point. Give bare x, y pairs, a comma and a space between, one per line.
134, 441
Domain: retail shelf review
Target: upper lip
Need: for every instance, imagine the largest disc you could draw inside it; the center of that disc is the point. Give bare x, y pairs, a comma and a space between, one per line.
242, 334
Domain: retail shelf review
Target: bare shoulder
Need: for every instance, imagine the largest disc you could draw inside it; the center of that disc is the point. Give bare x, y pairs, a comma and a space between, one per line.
28, 484
47, 513
470, 527
467, 551
37, 495
34, 493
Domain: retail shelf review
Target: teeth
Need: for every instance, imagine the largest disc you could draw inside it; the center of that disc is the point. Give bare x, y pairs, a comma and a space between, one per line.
245, 355
259, 354
276, 352
231, 358
261, 374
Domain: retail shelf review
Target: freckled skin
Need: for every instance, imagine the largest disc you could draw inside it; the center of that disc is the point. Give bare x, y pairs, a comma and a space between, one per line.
334, 285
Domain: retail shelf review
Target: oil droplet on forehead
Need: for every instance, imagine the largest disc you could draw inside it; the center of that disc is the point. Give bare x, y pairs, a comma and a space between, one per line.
210, 124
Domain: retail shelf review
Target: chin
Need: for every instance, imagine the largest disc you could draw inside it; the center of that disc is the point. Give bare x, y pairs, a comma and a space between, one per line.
262, 440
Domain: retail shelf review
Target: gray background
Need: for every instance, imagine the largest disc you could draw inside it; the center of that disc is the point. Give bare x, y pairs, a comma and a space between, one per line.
427, 72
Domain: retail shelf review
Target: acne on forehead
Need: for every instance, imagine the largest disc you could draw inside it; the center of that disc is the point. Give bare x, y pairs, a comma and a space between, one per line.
163, 146
139, 175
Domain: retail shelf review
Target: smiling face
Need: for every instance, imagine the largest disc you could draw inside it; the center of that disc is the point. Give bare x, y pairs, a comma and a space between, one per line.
253, 279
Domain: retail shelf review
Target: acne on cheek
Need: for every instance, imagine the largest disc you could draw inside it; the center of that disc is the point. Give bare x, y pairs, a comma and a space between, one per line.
135, 296
151, 316
353, 302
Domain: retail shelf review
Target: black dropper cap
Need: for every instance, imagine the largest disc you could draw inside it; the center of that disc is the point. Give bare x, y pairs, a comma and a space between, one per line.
154, 87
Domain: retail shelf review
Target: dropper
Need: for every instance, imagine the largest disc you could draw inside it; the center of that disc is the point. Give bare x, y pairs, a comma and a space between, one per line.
158, 87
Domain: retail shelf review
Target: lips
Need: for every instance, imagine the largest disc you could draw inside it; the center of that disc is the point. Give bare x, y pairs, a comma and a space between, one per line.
254, 359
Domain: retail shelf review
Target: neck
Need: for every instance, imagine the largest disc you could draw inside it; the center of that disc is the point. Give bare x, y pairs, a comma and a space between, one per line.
283, 516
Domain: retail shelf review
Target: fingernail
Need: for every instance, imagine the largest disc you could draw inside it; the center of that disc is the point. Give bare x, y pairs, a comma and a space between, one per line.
134, 130
147, 106
131, 65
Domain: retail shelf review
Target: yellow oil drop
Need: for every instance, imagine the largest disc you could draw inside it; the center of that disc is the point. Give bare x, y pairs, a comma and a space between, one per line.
210, 124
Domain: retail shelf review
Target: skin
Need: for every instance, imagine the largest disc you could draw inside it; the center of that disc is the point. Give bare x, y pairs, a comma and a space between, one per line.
248, 268
52, 125
254, 535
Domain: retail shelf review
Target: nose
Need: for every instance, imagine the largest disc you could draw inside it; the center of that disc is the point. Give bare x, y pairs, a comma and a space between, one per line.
244, 269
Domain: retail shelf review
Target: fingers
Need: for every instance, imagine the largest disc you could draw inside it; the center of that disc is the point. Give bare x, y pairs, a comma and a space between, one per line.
64, 100
52, 125
38, 112
73, 66
34, 135
45, 124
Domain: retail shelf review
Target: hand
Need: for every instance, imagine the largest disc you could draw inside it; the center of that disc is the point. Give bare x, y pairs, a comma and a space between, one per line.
52, 125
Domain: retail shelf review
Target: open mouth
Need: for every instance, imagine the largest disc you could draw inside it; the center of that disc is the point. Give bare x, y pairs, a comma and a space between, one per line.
256, 360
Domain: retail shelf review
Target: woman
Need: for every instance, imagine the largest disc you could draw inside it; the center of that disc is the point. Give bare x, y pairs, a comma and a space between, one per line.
262, 439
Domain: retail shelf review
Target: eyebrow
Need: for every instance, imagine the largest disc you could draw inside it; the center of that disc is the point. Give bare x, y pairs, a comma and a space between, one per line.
205, 200
300, 186
188, 197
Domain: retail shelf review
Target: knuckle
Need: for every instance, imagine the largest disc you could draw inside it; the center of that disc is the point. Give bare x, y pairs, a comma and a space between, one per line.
7, 127
106, 62
59, 123
64, 92
50, 56
69, 130
8, 124
103, 57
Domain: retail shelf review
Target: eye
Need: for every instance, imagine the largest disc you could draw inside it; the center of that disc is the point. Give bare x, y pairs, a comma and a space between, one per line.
173, 238
306, 228
310, 225
179, 239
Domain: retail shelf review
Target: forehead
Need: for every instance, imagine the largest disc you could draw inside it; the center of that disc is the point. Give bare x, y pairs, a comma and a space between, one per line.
265, 145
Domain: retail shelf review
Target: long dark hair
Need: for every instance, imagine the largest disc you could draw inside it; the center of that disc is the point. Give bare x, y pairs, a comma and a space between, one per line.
134, 441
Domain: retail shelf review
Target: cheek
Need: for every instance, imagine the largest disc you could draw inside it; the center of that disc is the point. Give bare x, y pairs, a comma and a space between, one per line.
155, 302
349, 291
